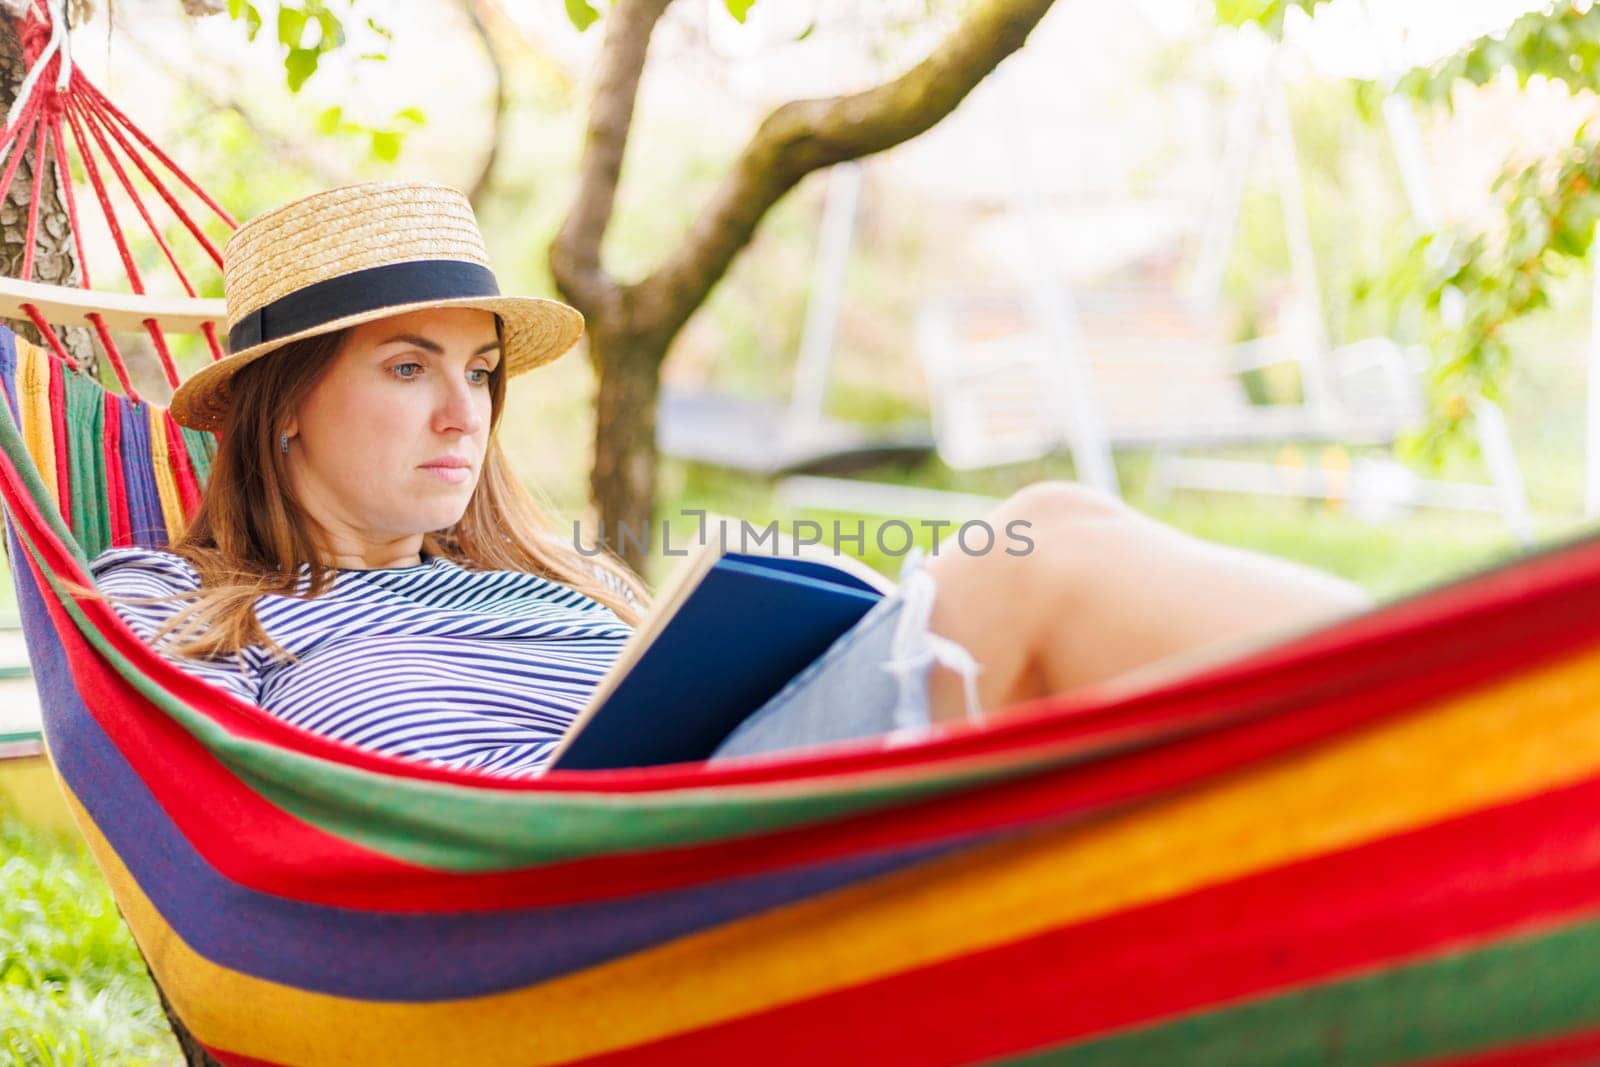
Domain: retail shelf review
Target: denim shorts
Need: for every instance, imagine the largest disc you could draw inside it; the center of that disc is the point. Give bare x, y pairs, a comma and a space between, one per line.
872, 681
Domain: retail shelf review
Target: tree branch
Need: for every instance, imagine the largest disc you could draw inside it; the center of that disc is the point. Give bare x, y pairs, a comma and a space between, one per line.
480, 185
805, 135
575, 254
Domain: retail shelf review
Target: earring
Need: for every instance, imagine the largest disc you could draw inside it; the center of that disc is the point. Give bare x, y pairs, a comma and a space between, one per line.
283, 442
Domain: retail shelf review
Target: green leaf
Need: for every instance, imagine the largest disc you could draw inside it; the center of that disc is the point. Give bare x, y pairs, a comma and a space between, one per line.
739, 8
235, 9
1561, 43
581, 13
386, 145
1268, 14
1239, 12
252, 21
300, 63
332, 29
811, 28
379, 29
412, 115
291, 26
329, 121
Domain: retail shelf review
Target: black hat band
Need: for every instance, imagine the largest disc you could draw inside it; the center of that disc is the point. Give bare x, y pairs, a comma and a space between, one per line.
372, 289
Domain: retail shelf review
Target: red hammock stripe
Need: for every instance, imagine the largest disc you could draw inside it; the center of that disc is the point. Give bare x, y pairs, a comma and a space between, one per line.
176, 770
182, 469
1410, 896
116, 484
58, 431
1573, 1050
1485, 592
180, 773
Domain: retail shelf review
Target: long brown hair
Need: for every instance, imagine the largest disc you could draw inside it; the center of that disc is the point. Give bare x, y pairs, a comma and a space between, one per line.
251, 536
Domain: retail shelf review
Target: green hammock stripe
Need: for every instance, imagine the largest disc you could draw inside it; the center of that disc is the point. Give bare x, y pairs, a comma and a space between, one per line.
202, 448
89, 496
1517, 991
11, 443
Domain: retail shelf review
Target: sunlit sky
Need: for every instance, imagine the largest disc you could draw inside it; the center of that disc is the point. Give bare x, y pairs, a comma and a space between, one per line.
1361, 39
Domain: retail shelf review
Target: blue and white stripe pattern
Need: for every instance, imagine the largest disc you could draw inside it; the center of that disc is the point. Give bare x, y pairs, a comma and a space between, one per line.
482, 669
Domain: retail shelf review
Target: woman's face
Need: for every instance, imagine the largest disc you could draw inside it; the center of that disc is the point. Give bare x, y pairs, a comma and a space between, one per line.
389, 443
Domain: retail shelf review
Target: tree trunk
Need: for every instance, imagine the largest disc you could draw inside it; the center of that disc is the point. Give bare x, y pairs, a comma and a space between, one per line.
623, 479
632, 326
54, 258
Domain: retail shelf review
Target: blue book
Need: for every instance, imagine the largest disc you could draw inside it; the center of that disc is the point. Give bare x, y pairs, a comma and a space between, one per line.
722, 639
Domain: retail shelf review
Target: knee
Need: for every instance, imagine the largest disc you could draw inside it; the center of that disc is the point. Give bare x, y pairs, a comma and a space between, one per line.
1049, 505
1061, 525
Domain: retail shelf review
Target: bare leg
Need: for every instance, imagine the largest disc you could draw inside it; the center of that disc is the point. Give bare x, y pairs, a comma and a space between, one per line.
1102, 591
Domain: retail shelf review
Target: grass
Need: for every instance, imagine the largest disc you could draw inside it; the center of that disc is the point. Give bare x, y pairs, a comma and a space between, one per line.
73, 989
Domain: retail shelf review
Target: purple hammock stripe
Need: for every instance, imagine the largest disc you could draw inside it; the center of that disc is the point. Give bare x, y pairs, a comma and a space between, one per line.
146, 521
8, 372
367, 955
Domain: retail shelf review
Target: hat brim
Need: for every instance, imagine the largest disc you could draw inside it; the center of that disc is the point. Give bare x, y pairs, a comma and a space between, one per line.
534, 331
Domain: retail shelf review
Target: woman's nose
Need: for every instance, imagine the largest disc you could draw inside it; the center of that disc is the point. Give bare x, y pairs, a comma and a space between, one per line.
458, 409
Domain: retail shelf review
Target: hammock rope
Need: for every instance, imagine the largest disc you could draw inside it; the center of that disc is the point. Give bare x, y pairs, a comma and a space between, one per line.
55, 99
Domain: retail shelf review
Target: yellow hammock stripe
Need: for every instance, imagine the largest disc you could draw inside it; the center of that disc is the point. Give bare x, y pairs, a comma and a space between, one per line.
1504, 742
161, 464
33, 372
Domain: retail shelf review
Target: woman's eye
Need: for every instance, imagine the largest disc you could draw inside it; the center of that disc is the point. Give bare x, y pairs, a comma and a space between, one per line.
406, 371
478, 376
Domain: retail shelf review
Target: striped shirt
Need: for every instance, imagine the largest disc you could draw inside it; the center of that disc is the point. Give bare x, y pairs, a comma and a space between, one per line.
480, 669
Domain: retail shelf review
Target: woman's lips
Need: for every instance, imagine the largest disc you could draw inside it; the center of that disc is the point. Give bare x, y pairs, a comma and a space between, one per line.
450, 470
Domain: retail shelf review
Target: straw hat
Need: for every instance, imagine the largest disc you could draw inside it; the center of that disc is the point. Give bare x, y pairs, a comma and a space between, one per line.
350, 255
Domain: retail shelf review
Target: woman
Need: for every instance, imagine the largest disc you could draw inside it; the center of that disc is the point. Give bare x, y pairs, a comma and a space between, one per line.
364, 564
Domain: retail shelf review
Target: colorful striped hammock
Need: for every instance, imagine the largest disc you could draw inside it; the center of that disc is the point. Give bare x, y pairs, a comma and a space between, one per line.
1378, 843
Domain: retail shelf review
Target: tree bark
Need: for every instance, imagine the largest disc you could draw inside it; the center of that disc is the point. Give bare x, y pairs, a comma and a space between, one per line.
632, 326
624, 471
55, 260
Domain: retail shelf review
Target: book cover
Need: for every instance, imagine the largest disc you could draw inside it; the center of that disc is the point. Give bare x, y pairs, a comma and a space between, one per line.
722, 639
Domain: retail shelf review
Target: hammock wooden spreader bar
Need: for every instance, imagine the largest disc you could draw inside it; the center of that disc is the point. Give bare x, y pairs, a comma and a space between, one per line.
1379, 843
